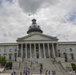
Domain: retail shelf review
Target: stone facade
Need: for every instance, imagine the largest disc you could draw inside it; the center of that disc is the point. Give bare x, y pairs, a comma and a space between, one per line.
67, 50
8, 50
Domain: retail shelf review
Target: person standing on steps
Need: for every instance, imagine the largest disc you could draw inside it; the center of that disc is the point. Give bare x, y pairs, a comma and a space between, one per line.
53, 72
41, 71
70, 72
46, 71
75, 71
14, 72
41, 68
49, 72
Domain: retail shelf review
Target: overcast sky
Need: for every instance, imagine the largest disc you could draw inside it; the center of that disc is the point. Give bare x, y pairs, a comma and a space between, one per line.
55, 17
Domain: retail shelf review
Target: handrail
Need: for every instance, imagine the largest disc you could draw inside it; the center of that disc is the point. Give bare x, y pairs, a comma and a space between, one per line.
62, 66
59, 63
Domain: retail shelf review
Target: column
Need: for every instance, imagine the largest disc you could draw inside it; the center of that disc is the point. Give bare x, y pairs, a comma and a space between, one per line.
35, 50
22, 50
39, 51
26, 49
48, 49
30, 51
17, 51
53, 50
44, 50
57, 49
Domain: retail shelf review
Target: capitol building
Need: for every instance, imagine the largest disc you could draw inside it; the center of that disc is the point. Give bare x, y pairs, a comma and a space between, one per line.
37, 45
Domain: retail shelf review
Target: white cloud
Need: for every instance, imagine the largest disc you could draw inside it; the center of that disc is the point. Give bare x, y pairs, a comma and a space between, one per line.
54, 20
31, 6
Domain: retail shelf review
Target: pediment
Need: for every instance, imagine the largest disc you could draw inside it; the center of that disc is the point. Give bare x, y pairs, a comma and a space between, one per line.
36, 37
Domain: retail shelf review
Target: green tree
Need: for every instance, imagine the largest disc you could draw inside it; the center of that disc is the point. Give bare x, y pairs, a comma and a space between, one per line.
2, 61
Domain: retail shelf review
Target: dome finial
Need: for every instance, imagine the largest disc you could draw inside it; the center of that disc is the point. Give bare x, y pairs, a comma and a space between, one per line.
33, 21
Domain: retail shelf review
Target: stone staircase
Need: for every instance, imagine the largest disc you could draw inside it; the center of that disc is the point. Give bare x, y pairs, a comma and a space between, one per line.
48, 63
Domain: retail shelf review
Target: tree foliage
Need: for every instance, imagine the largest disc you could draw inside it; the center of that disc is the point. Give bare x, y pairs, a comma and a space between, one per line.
2, 61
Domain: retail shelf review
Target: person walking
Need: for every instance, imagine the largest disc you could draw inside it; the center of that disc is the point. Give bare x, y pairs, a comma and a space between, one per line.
20, 73
52, 72
41, 70
48, 72
75, 71
11, 73
14, 73
70, 72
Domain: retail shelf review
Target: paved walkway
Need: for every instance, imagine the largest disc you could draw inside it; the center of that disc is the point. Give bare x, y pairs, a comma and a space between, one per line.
8, 72
30, 74
5, 73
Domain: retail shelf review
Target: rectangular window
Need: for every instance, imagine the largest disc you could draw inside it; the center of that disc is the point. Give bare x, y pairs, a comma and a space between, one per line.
4, 50
4, 54
70, 49
15, 50
10, 56
72, 56
10, 50
59, 54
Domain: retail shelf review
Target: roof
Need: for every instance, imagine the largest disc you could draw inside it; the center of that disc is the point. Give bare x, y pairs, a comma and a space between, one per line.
67, 42
9, 44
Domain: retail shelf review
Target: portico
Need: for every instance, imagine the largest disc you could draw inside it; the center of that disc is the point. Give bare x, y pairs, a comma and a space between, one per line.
37, 50
36, 44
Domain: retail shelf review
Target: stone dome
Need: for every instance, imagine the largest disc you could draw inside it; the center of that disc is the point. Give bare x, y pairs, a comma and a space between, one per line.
34, 27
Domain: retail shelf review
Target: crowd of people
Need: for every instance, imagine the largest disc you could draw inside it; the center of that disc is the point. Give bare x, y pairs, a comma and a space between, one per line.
42, 71
27, 72
45, 72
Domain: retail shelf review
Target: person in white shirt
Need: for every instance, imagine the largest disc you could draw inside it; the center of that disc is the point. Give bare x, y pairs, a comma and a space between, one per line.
70, 72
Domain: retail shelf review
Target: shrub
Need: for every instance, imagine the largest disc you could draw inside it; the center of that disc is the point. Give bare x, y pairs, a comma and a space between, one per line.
73, 66
9, 65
